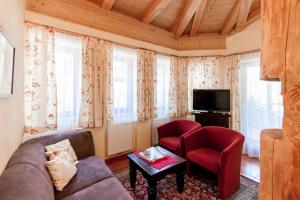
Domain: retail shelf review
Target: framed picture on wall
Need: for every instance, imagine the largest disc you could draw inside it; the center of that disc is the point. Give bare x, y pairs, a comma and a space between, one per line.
7, 60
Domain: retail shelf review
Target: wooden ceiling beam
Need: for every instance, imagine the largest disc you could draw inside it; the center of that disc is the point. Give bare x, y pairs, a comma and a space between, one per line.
244, 10
187, 14
154, 9
91, 15
197, 18
108, 4
231, 19
253, 16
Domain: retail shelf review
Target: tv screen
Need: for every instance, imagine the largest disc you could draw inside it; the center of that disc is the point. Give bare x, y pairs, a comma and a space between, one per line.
211, 100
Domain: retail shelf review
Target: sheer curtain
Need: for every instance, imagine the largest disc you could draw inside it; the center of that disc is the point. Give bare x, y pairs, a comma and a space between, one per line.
163, 79
124, 78
261, 104
68, 66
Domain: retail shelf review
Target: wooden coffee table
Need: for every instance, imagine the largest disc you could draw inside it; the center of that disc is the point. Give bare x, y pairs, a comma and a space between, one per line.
152, 175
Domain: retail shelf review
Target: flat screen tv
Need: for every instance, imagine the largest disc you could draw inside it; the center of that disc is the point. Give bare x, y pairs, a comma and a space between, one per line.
211, 100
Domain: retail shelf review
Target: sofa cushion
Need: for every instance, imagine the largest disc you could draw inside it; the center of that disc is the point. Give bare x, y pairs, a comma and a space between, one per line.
108, 189
89, 171
26, 182
170, 143
205, 157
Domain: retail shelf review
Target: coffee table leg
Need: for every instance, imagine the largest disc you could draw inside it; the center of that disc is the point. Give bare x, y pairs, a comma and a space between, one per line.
152, 191
180, 180
132, 174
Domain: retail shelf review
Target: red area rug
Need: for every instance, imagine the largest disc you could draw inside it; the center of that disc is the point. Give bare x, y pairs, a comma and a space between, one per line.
198, 187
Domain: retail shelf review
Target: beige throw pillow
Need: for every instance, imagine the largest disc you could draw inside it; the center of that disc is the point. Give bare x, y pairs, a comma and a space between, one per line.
63, 145
59, 154
61, 171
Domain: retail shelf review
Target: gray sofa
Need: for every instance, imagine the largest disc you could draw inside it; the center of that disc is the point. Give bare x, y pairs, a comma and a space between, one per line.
27, 178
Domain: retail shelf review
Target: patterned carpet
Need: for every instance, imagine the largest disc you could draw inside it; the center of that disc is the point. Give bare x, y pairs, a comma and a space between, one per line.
198, 187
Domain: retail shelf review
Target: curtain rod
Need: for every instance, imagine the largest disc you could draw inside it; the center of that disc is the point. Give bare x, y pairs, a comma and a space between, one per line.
130, 46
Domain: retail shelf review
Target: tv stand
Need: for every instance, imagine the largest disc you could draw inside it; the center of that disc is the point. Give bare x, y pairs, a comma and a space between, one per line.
213, 119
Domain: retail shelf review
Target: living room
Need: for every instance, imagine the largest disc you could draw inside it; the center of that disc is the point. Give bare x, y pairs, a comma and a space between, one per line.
212, 85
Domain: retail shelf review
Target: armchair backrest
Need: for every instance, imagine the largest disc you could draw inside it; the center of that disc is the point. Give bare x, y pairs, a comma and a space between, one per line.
220, 138
185, 126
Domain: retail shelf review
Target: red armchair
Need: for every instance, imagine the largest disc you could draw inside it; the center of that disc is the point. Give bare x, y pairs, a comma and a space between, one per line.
219, 151
170, 134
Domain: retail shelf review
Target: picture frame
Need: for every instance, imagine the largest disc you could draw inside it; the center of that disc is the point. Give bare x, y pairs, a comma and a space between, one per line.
7, 63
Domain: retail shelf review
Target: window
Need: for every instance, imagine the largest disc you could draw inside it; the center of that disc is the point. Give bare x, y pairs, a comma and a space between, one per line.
124, 84
261, 105
163, 81
68, 60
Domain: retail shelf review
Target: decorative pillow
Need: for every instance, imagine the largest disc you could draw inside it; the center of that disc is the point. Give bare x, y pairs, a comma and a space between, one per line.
63, 145
59, 154
61, 171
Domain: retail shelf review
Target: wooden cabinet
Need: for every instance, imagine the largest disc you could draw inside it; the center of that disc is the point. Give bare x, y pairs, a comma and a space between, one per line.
274, 38
213, 119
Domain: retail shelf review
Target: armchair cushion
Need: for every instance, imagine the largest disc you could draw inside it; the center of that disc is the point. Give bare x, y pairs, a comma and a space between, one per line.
170, 143
205, 157
89, 171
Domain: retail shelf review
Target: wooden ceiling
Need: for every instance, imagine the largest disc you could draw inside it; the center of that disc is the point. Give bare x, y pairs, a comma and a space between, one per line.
188, 17
188, 24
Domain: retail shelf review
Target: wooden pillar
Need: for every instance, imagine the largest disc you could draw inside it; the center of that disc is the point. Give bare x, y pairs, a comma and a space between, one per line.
285, 168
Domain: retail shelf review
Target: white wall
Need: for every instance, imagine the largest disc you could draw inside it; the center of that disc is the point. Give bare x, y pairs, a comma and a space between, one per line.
11, 109
247, 40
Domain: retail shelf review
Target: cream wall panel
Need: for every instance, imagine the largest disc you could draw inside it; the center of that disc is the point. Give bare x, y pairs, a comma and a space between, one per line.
247, 40
99, 137
11, 109
143, 135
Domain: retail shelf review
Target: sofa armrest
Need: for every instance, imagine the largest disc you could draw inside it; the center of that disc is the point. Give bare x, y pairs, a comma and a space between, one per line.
81, 141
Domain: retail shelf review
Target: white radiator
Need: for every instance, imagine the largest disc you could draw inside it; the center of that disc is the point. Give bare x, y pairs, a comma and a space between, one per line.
120, 138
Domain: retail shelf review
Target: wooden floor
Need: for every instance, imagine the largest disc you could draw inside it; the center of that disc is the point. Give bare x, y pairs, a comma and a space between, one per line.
249, 168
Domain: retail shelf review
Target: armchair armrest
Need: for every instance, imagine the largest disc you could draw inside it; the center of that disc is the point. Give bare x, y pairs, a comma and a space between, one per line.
230, 167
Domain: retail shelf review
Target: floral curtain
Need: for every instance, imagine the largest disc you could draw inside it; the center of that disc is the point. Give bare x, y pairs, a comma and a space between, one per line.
146, 85
96, 83
40, 82
208, 73
233, 63
178, 91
